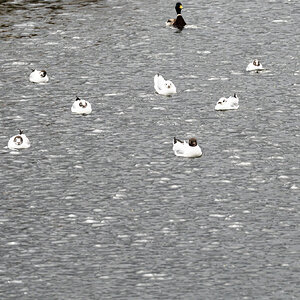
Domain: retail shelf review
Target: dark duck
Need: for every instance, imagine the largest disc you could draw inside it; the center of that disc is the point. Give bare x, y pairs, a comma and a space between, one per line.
179, 21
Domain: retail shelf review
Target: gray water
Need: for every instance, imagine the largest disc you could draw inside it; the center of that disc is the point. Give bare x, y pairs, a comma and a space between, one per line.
99, 207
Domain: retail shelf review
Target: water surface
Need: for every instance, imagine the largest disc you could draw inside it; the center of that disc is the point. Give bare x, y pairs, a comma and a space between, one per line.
99, 207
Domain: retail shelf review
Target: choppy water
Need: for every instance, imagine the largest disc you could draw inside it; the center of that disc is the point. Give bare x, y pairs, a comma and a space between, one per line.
99, 207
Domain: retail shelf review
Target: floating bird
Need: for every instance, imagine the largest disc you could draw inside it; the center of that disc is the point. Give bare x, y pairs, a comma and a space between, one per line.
254, 66
184, 149
163, 87
38, 76
81, 106
228, 103
19, 141
179, 21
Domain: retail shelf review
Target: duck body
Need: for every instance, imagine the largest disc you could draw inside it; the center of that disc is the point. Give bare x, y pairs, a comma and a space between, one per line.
81, 106
254, 66
228, 103
38, 76
179, 21
186, 149
163, 87
19, 141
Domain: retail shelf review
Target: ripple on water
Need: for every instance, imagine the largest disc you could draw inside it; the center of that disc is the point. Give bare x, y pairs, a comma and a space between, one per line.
99, 207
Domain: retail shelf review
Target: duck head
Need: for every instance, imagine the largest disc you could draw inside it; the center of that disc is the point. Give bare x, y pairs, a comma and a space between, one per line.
192, 142
178, 8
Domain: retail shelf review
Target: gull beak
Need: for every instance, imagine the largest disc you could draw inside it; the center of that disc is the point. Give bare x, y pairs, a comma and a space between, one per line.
181, 7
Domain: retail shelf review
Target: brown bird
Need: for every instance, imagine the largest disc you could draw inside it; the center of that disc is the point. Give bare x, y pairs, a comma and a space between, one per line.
179, 21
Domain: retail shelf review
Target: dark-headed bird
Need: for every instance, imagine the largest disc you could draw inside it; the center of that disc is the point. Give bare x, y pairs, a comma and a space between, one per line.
179, 21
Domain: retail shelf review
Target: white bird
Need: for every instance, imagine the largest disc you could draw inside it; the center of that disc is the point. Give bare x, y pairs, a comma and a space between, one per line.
19, 141
81, 106
184, 149
163, 87
254, 66
38, 76
228, 103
